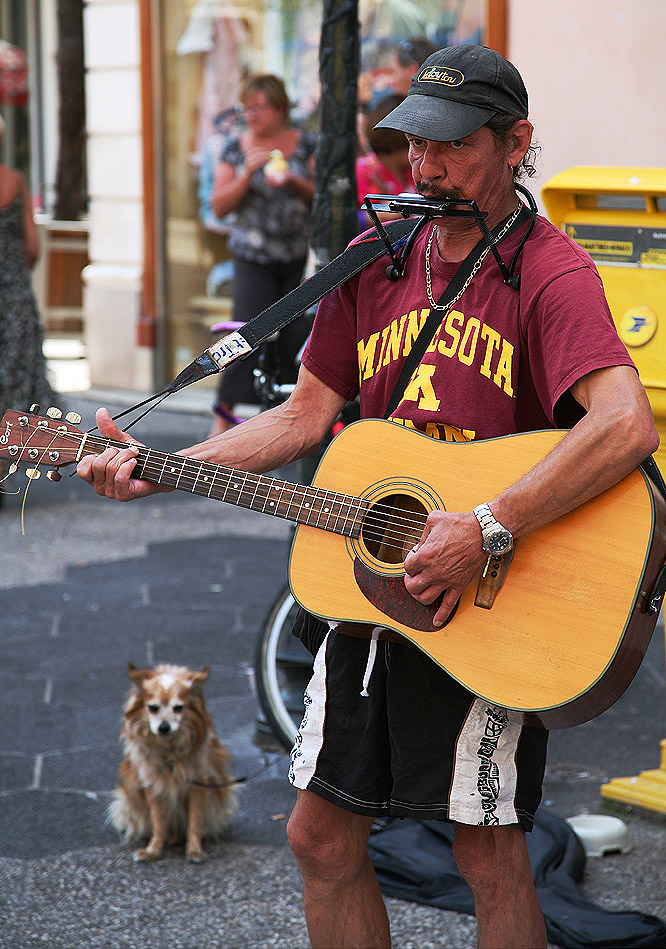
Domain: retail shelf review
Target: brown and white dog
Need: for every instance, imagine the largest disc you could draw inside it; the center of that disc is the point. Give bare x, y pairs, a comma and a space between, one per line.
173, 782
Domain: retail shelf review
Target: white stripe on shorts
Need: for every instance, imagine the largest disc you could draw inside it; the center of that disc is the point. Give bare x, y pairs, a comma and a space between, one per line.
483, 788
310, 737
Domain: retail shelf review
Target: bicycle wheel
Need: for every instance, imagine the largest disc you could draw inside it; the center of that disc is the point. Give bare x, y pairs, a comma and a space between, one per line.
282, 669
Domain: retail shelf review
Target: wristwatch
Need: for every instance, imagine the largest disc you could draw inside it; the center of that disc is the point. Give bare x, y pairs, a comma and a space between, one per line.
496, 538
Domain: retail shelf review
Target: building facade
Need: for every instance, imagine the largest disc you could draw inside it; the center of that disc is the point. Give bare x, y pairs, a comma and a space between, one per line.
158, 73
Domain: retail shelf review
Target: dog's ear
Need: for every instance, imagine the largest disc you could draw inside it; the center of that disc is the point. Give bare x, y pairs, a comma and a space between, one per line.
136, 675
198, 678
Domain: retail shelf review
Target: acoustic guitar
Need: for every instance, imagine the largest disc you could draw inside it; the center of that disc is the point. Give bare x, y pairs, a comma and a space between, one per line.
568, 628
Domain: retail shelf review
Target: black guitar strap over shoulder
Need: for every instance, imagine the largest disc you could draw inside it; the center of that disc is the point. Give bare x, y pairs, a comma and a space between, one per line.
241, 343
245, 340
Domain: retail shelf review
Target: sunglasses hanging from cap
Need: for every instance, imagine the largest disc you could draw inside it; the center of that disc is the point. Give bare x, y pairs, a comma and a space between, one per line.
411, 205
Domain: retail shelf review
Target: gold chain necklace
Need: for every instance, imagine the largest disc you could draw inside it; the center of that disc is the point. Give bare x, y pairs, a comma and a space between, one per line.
475, 268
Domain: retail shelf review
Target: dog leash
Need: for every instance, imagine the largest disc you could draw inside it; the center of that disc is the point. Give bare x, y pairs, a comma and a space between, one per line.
242, 780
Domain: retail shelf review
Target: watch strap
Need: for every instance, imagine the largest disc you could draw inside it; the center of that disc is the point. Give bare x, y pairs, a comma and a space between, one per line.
484, 516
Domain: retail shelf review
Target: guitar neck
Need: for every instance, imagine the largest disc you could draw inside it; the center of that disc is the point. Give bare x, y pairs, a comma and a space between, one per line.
302, 504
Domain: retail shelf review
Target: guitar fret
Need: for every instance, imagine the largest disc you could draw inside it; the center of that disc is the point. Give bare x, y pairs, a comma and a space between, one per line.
340, 502
180, 474
249, 492
196, 477
304, 518
208, 478
294, 506
325, 511
253, 492
354, 529
233, 485
251, 503
268, 502
347, 527
170, 474
161, 474
279, 488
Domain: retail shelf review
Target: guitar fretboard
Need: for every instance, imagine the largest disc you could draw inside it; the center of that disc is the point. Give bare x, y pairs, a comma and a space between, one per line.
315, 507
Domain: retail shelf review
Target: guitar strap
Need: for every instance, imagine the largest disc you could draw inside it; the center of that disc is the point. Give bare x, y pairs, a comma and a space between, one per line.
237, 345
256, 331
351, 261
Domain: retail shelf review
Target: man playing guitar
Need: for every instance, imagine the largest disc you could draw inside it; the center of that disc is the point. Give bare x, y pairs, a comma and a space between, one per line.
519, 356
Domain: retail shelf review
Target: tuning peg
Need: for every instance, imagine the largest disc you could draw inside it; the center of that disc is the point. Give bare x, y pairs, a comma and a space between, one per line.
73, 417
54, 412
53, 475
34, 408
33, 473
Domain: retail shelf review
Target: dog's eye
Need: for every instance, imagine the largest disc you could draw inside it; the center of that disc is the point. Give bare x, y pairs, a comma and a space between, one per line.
153, 708
177, 708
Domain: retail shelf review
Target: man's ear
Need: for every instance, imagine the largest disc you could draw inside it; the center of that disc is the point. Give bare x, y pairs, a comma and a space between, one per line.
519, 139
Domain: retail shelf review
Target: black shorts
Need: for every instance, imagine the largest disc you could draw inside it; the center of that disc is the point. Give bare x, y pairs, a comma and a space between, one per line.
417, 745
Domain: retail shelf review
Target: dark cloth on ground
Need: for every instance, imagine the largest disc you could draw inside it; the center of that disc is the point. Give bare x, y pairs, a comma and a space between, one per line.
414, 861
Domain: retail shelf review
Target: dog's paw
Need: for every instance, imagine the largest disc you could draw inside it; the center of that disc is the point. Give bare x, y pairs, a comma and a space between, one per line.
144, 854
195, 855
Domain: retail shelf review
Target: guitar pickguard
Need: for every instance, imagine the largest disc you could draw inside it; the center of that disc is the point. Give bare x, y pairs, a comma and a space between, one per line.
389, 595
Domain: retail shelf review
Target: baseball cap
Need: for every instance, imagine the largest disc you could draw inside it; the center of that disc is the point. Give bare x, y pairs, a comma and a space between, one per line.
456, 91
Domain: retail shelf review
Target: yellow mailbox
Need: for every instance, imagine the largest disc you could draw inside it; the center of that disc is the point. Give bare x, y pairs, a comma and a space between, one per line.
619, 216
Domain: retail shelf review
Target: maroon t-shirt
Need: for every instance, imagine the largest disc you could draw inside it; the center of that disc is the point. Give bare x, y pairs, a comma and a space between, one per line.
501, 361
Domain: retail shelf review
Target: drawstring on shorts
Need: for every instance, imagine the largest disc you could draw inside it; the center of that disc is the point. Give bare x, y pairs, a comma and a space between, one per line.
372, 653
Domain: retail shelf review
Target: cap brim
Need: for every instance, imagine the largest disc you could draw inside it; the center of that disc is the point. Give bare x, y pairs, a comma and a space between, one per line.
435, 119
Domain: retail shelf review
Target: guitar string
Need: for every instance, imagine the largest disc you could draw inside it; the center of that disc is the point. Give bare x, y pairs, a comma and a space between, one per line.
411, 525
191, 471
386, 533
32, 478
388, 528
381, 523
386, 520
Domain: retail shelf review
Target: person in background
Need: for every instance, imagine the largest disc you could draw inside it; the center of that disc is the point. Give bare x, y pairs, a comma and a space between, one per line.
23, 379
403, 63
385, 168
265, 179
405, 60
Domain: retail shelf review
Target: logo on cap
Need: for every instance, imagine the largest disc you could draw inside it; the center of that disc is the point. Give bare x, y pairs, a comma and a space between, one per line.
448, 77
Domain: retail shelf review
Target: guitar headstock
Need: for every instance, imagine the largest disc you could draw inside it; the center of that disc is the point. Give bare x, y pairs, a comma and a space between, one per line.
37, 440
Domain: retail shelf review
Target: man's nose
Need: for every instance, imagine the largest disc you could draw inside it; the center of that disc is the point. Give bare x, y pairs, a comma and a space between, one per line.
431, 163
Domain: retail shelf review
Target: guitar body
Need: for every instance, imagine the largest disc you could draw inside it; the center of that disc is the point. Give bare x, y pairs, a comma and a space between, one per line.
570, 624
555, 638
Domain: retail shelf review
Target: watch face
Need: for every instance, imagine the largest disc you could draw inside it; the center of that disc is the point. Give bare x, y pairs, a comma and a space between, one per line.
499, 542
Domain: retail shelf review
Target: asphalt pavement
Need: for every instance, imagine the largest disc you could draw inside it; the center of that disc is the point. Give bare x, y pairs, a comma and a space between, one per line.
91, 584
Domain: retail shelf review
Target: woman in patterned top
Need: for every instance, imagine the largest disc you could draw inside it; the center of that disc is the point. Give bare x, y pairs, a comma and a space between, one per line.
22, 366
270, 225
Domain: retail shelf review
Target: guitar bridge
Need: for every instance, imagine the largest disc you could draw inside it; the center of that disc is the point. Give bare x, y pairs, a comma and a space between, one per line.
492, 578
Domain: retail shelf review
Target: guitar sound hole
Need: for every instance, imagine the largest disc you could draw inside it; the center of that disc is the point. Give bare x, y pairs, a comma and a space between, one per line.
392, 526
